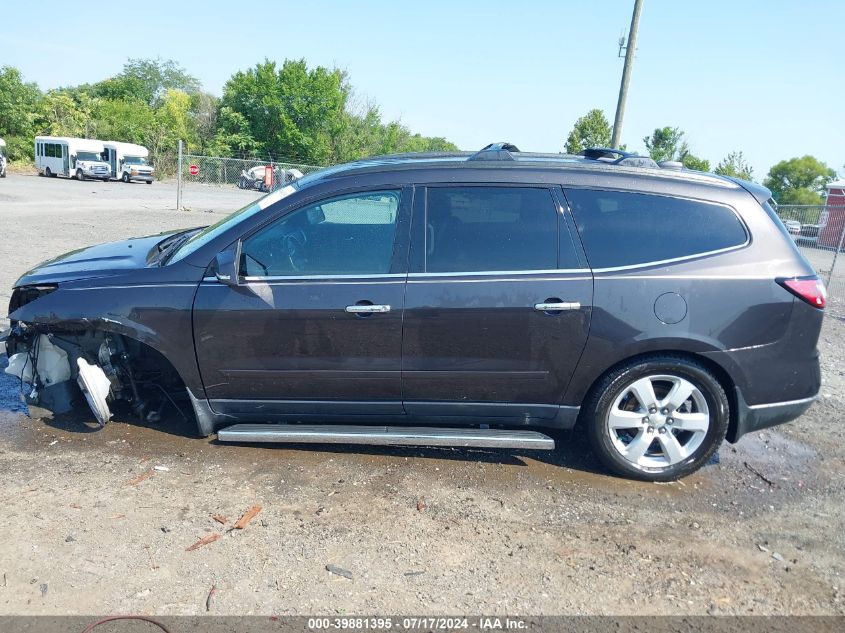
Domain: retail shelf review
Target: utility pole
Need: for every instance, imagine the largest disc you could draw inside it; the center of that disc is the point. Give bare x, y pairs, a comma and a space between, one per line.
630, 49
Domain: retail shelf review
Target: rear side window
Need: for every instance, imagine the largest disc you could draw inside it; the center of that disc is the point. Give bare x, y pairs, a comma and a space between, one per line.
475, 229
626, 229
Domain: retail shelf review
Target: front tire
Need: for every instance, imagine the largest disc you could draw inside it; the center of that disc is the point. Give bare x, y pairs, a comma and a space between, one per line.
79, 175
657, 419
125, 177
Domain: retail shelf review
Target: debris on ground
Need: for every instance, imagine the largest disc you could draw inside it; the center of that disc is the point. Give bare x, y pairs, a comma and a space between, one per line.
153, 565
758, 473
339, 571
140, 478
421, 504
162, 469
205, 540
246, 517
220, 519
777, 557
211, 593
414, 573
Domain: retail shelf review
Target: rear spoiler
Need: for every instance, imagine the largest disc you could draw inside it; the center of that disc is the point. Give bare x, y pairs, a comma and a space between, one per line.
760, 193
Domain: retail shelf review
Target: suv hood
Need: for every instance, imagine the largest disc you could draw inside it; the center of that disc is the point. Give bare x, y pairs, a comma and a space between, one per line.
103, 260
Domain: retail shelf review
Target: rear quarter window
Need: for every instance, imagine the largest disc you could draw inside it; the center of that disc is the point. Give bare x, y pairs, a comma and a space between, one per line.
629, 229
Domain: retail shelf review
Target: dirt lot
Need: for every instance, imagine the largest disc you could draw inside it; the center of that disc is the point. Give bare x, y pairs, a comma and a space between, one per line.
91, 525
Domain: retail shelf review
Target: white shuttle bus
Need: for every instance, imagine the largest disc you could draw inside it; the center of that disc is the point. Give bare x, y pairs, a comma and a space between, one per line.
78, 158
4, 158
128, 162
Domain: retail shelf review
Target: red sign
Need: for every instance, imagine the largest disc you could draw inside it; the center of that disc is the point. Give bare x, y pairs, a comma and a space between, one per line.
195, 171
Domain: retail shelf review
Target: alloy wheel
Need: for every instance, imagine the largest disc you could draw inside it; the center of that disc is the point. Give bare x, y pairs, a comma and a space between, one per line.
658, 421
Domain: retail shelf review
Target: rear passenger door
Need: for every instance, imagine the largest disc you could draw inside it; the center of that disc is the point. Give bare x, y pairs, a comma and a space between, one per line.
498, 302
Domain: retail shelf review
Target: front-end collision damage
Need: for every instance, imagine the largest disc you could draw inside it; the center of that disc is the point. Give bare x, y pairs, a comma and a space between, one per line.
59, 368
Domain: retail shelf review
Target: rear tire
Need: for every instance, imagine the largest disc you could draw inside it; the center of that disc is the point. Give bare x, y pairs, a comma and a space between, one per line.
47, 172
657, 419
149, 182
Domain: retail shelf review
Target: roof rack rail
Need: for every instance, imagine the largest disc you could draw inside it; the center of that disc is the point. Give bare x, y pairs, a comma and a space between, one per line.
495, 151
625, 158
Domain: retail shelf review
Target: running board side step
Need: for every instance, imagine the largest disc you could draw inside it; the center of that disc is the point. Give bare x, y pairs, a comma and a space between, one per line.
385, 436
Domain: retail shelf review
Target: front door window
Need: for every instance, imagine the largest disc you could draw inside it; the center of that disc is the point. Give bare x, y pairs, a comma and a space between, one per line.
347, 235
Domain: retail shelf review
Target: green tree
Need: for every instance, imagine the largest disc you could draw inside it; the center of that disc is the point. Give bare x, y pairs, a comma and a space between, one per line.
66, 112
305, 115
147, 80
591, 130
204, 112
666, 143
129, 121
18, 105
735, 166
691, 161
232, 135
799, 180
292, 112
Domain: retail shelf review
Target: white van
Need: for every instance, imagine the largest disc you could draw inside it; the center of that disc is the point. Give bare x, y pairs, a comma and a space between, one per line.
4, 158
128, 161
72, 157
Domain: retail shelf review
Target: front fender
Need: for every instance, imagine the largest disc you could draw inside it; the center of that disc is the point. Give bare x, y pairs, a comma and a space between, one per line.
156, 314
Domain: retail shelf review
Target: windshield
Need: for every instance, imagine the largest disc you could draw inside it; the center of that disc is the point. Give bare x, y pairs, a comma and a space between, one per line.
87, 156
218, 228
135, 160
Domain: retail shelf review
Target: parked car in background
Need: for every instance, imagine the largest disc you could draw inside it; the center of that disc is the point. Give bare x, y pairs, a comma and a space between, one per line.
460, 299
794, 228
78, 158
4, 158
128, 161
256, 178
809, 235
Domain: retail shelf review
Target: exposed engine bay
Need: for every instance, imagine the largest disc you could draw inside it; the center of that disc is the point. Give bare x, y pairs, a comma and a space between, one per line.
58, 369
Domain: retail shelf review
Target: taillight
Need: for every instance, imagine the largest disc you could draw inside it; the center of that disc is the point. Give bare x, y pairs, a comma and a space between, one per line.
809, 289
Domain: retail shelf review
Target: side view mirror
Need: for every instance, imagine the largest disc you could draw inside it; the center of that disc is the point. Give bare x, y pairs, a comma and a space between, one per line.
226, 265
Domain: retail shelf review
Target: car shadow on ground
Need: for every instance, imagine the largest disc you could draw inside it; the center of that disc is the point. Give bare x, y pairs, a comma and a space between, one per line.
572, 451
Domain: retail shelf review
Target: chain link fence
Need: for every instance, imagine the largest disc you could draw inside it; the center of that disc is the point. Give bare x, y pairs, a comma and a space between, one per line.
819, 232
212, 183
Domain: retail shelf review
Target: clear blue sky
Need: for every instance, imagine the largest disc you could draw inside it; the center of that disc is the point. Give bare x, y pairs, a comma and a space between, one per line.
762, 76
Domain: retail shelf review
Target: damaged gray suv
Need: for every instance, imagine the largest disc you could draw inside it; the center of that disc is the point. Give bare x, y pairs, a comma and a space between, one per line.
448, 299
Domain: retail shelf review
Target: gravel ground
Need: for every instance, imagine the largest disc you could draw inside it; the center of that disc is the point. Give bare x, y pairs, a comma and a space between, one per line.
100, 520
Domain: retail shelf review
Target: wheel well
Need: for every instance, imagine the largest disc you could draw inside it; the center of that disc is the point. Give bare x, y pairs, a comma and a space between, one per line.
714, 368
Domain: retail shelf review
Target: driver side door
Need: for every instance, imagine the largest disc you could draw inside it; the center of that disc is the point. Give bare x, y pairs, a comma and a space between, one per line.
315, 324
